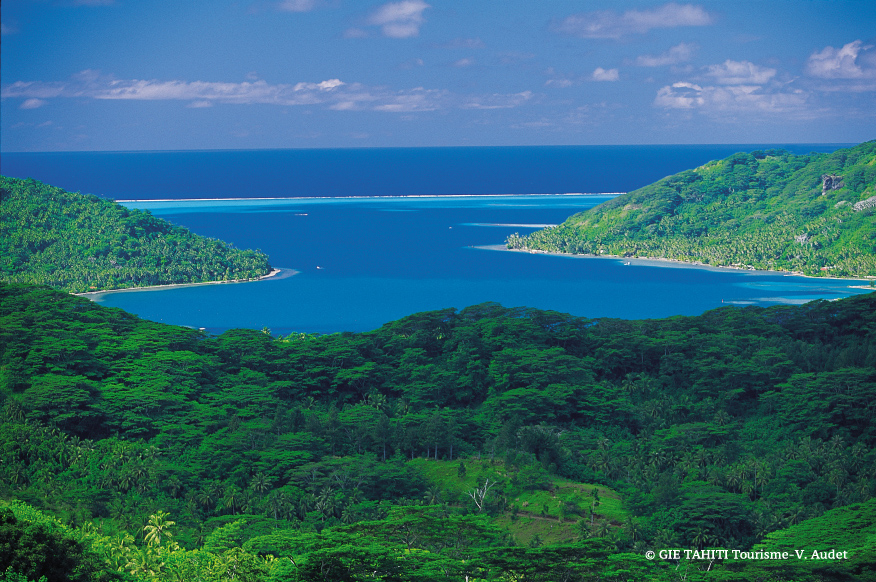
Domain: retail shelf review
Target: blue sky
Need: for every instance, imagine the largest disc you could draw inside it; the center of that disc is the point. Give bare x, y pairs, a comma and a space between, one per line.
190, 74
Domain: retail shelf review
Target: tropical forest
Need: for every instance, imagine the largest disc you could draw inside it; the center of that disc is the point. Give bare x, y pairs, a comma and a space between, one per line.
487, 443
82, 243
768, 209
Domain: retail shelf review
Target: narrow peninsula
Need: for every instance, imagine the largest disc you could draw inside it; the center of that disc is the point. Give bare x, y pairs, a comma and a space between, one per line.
81, 243
811, 214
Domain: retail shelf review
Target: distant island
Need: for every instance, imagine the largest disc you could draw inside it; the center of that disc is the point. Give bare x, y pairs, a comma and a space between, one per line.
81, 243
771, 210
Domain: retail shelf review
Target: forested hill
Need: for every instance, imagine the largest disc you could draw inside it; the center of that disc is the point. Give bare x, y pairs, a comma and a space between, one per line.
768, 210
82, 243
487, 443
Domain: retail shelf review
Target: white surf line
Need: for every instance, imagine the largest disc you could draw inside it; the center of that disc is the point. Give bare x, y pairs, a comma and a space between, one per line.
365, 197
510, 225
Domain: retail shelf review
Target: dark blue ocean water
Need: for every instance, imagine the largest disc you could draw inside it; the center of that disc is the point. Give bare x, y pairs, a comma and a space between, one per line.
361, 262
369, 172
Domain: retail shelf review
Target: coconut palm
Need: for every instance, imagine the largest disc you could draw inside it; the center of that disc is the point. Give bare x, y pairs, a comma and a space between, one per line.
260, 483
157, 527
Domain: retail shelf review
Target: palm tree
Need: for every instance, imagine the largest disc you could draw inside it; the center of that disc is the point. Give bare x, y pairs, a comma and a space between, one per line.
174, 485
260, 483
277, 503
232, 497
157, 526
432, 495
632, 528
701, 537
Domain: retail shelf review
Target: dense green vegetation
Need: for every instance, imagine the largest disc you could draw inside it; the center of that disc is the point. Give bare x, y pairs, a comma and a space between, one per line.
488, 443
772, 210
84, 243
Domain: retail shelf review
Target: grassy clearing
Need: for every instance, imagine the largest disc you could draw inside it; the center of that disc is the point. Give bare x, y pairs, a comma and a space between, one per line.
530, 503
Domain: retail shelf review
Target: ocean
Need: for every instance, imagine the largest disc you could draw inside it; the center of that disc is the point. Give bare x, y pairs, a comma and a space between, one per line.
363, 237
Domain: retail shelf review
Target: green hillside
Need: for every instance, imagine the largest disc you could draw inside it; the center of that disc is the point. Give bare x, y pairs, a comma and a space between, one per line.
771, 210
446, 444
82, 243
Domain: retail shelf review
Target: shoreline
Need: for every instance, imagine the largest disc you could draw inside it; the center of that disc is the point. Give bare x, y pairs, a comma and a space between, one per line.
273, 274
676, 263
322, 198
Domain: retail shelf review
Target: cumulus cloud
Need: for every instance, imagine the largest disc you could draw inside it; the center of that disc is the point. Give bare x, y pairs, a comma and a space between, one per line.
736, 86
32, 104
678, 54
713, 99
739, 73
680, 96
601, 74
610, 24
399, 19
854, 60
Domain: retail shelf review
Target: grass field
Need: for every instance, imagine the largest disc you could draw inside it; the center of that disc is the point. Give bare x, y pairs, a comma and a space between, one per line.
534, 506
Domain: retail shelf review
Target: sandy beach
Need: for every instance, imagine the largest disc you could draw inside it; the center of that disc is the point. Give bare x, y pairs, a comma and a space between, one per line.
672, 263
274, 274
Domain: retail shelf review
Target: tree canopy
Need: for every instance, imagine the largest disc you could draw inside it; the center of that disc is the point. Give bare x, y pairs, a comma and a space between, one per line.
82, 243
770, 210
486, 442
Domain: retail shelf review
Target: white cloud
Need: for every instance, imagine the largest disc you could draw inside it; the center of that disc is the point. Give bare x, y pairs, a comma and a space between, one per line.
680, 96
7, 28
323, 86
498, 101
464, 63
399, 19
33, 90
297, 5
678, 54
562, 83
740, 73
610, 24
345, 106
332, 94
843, 63
738, 98
91, 84
32, 104
418, 99
601, 74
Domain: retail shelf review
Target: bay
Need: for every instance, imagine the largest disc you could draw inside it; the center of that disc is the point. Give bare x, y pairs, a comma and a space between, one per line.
367, 236
362, 262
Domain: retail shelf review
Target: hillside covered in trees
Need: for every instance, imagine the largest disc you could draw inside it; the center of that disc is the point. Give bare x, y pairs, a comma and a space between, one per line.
82, 243
488, 443
770, 210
